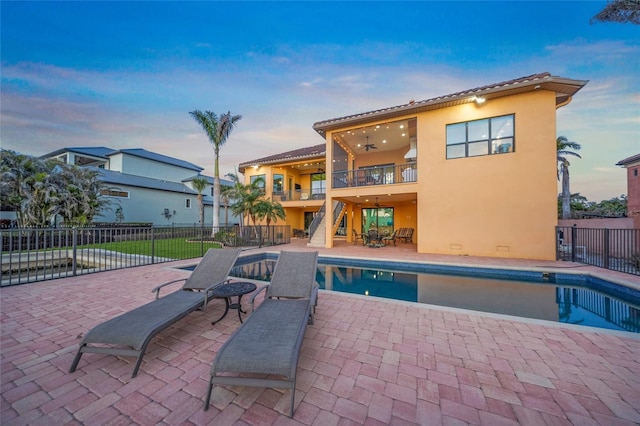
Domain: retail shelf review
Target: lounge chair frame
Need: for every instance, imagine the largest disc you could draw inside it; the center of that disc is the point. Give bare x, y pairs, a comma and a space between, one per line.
130, 333
268, 343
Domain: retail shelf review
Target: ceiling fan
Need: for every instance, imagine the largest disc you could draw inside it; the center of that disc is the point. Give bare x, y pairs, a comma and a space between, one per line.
367, 146
378, 205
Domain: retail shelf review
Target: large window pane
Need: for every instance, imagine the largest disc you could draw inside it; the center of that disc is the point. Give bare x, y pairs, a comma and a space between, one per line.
500, 146
456, 151
478, 148
318, 183
278, 183
502, 127
456, 133
478, 130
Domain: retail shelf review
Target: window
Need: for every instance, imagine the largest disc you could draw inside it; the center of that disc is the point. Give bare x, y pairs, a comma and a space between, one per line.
378, 218
114, 193
278, 183
318, 183
481, 137
258, 180
187, 203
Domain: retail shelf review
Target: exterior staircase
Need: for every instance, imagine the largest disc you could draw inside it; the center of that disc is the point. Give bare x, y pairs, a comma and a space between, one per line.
317, 229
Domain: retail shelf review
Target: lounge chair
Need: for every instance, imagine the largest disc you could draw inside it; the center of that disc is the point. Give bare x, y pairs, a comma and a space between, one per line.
129, 334
268, 343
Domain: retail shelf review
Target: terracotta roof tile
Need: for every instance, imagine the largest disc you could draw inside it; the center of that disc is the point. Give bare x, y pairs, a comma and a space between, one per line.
529, 82
628, 160
296, 154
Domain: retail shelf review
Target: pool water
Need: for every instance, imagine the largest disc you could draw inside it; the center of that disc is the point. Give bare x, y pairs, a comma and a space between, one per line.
539, 297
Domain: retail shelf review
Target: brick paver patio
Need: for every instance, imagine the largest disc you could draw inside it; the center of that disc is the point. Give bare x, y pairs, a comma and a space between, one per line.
365, 361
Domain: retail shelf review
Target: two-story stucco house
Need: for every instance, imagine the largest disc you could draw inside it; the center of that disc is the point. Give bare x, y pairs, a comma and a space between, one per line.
146, 186
471, 173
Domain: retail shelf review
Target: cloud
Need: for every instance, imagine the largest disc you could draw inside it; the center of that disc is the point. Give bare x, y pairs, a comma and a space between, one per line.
583, 52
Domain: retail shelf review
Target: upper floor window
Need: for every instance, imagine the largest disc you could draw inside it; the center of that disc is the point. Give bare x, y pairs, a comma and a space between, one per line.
187, 203
259, 180
481, 137
114, 193
318, 183
278, 183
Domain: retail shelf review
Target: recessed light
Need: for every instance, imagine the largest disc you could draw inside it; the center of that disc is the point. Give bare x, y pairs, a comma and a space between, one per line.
384, 141
402, 126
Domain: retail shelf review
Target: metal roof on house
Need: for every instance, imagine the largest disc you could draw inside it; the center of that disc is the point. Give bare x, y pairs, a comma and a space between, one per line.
117, 178
296, 154
209, 180
93, 151
563, 87
143, 153
629, 160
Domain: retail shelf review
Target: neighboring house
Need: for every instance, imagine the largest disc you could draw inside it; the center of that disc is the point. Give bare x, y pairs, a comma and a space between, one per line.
146, 186
473, 172
632, 164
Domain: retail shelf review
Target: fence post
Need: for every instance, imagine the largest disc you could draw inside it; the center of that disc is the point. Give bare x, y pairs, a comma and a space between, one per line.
606, 248
153, 246
574, 236
201, 239
259, 236
74, 256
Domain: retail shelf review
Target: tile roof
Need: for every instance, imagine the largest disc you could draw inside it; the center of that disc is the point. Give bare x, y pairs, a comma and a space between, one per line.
296, 154
628, 160
564, 88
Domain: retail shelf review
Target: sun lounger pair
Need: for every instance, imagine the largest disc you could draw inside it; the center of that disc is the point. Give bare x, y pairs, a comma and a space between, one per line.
130, 333
264, 350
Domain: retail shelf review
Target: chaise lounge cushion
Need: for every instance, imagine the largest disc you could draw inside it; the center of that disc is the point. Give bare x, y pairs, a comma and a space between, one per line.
269, 343
133, 328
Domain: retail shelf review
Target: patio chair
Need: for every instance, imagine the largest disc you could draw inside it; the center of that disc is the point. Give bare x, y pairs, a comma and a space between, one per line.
356, 236
129, 334
264, 350
390, 238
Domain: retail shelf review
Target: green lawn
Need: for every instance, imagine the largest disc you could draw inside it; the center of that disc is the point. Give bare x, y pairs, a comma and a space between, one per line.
175, 248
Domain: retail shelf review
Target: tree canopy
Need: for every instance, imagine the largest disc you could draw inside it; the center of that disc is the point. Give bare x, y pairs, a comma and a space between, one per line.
39, 190
621, 11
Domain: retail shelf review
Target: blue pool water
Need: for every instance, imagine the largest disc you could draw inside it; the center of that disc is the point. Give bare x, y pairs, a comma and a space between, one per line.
566, 298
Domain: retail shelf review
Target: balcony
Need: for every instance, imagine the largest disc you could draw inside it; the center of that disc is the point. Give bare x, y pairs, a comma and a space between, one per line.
384, 175
298, 195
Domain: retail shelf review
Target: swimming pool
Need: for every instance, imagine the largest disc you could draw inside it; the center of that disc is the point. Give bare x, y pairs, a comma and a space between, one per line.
559, 297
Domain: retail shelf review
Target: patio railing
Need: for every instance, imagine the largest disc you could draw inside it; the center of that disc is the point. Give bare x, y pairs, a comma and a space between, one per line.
615, 249
30, 255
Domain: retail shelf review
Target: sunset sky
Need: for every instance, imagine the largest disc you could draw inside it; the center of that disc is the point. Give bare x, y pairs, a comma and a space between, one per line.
126, 74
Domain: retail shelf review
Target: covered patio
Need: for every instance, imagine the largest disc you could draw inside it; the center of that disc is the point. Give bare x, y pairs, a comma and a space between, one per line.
365, 361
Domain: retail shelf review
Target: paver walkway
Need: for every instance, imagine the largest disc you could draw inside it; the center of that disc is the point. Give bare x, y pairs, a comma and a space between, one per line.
365, 361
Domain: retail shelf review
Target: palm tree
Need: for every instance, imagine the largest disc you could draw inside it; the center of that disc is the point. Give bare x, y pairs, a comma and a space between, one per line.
562, 148
218, 130
269, 211
621, 11
199, 184
225, 197
245, 198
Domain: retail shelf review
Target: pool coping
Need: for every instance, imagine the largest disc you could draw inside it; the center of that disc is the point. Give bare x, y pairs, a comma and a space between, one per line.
589, 280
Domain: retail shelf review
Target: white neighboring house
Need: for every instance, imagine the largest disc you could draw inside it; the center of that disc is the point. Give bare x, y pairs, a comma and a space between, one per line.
147, 187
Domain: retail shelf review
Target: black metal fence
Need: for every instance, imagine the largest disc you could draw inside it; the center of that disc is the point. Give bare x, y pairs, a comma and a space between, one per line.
30, 255
615, 249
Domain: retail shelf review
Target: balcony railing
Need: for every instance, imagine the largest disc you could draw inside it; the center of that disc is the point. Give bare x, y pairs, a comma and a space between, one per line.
385, 175
298, 195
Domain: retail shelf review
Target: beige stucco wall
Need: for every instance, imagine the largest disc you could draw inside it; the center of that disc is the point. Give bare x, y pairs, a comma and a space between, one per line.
495, 205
